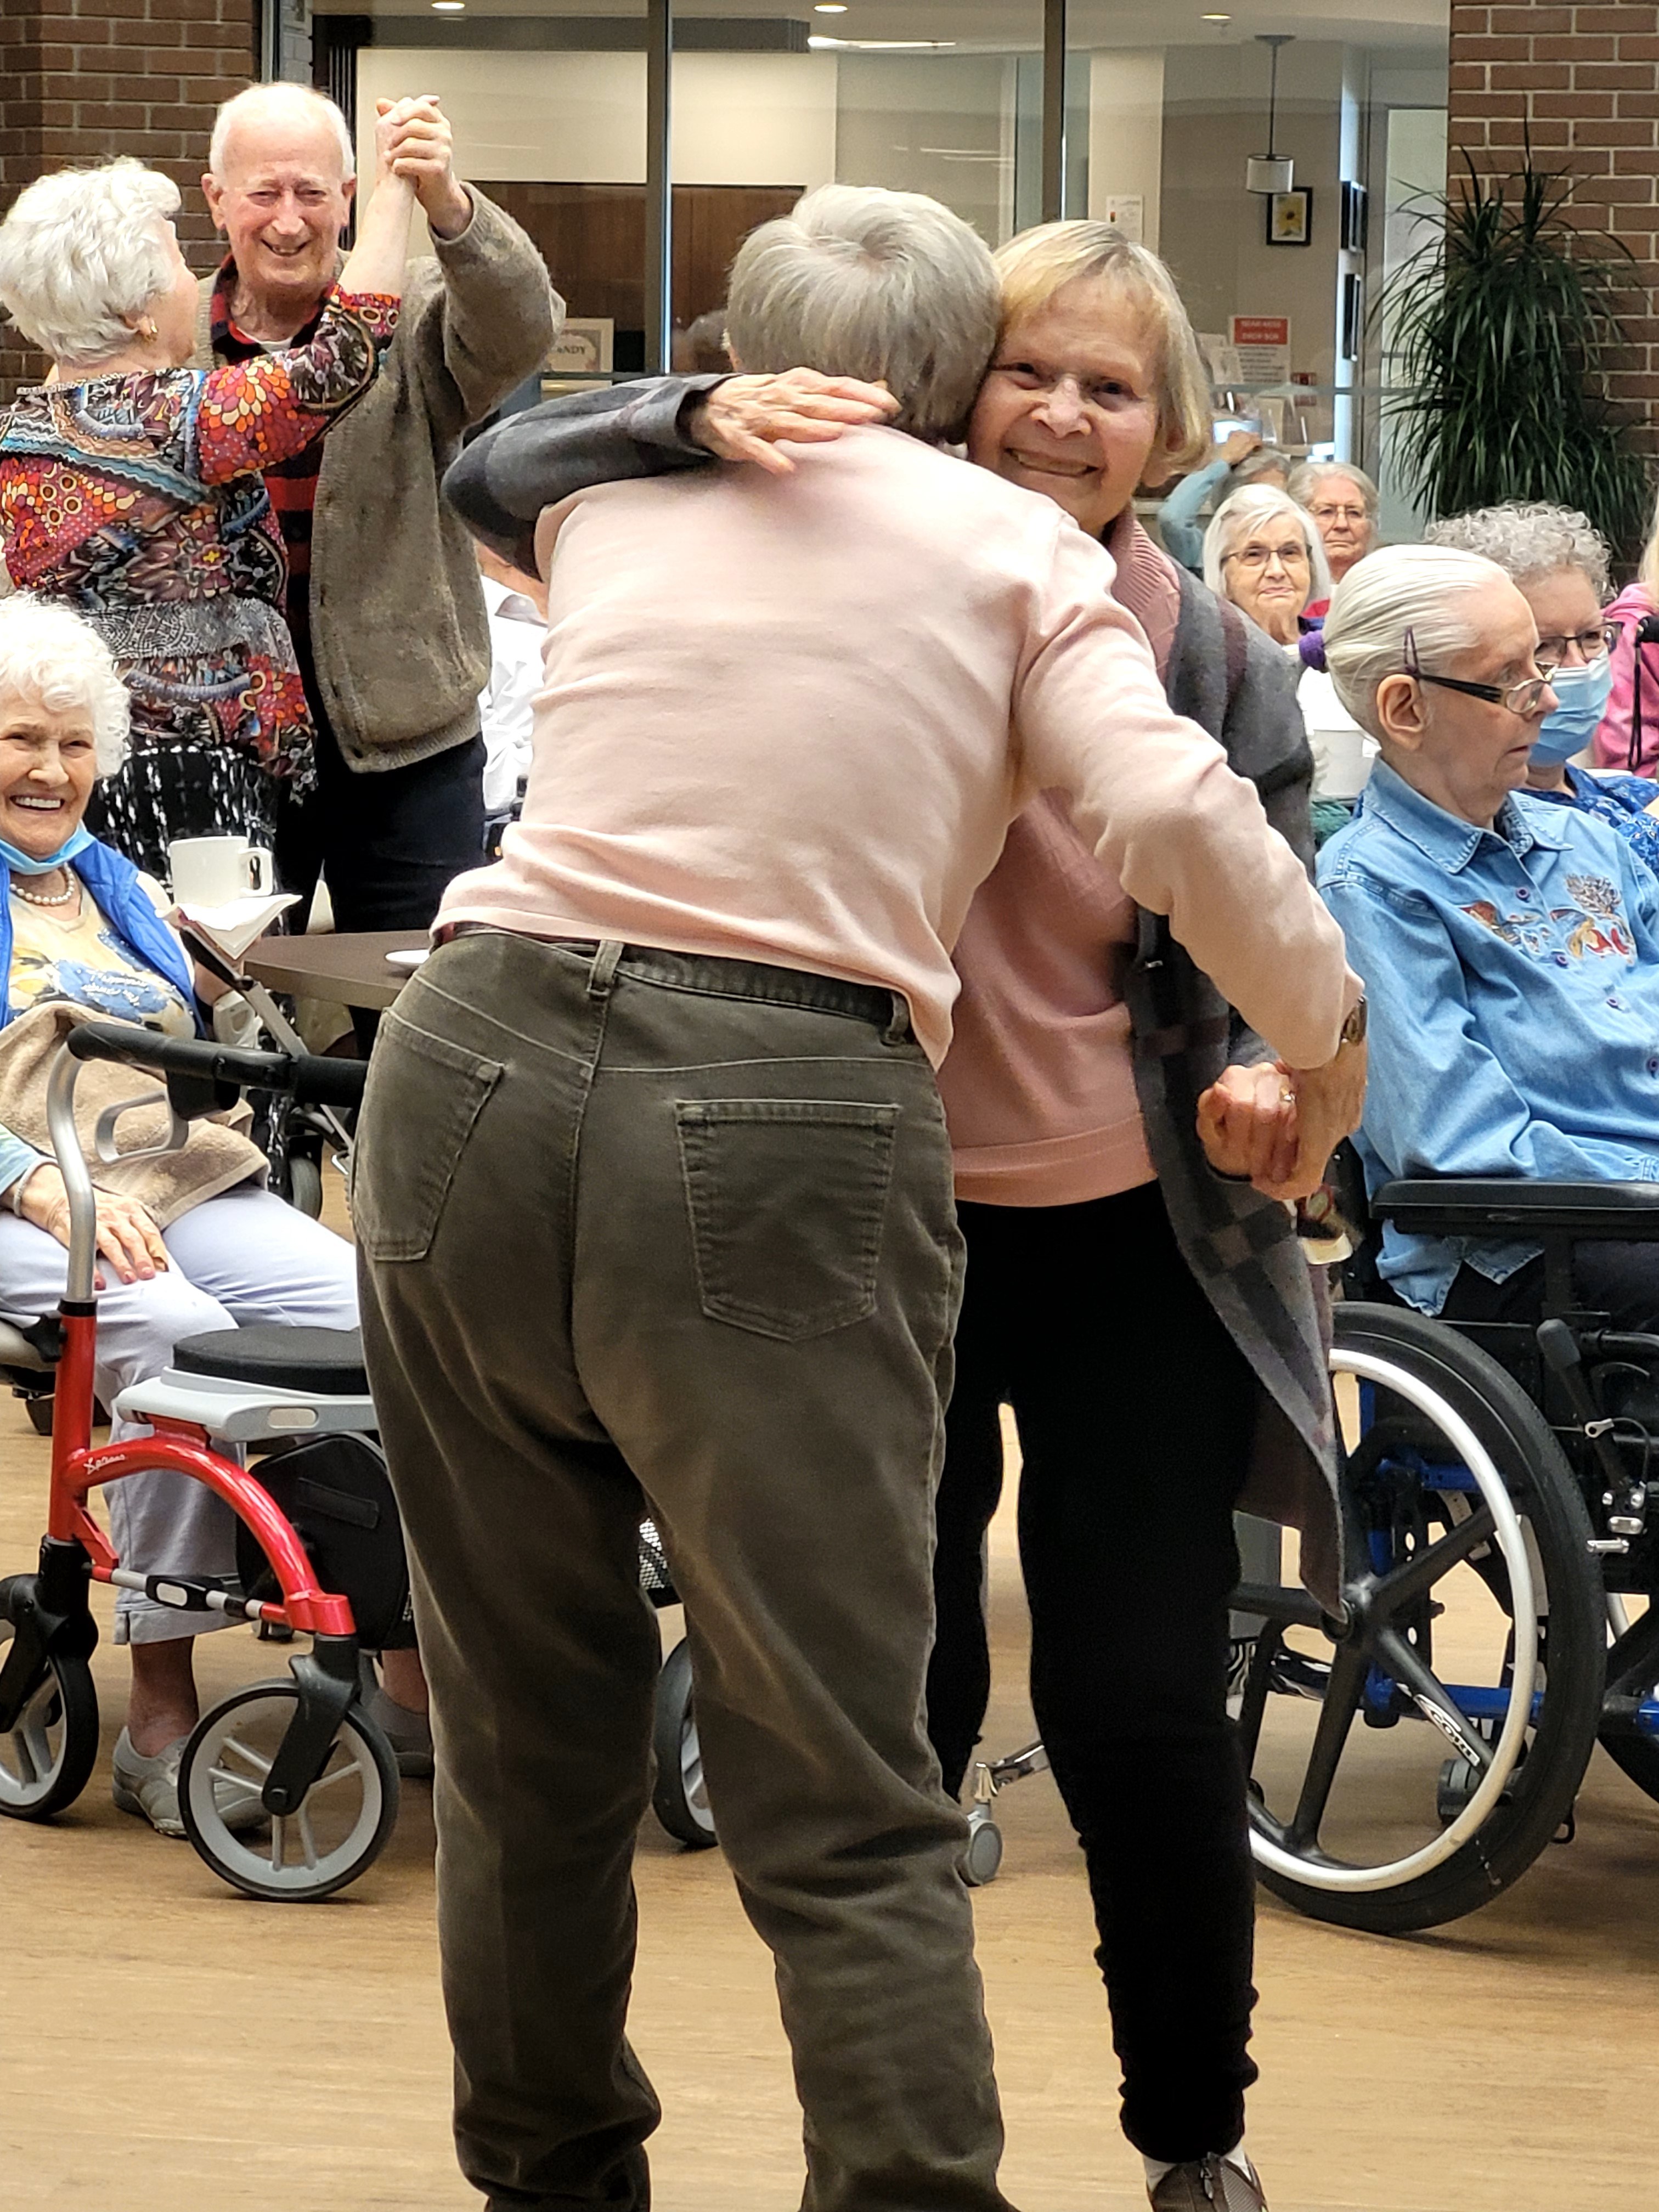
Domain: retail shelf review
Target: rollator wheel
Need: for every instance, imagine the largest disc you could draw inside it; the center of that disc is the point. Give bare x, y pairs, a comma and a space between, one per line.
340, 1828
983, 1859
47, 1758
1477, 1626
305, 1184
680, 1795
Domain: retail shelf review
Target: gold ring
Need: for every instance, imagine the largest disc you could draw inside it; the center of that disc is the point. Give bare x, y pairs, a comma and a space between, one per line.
1287, 1097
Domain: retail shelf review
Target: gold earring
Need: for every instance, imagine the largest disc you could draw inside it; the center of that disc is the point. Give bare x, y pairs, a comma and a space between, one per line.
146, 329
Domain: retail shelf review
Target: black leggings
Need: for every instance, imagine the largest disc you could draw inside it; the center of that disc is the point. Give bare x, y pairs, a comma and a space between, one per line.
1135, 1412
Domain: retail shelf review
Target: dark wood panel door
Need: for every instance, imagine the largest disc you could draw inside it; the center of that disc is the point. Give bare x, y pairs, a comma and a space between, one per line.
593, 238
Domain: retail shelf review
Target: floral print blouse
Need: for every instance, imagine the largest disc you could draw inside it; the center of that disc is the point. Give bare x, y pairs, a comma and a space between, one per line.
139, 498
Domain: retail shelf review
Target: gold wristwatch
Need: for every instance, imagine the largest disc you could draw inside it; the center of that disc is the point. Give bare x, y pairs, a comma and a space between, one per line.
1353, 1030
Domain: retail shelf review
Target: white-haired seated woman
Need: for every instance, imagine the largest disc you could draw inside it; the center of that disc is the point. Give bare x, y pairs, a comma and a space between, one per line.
78, 922
1263, 552
1559, 561
1343, 503
1509, 946
132, 487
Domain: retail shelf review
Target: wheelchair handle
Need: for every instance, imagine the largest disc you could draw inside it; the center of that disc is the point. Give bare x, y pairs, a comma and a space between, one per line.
305, 1077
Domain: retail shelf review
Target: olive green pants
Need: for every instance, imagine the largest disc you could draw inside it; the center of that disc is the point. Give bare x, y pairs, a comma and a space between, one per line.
649, 1233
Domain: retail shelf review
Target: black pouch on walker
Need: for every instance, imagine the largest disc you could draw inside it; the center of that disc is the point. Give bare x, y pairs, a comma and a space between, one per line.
336, 1491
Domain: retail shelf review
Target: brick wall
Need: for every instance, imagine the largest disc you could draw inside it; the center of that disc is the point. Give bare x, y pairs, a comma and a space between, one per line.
1583, 83
81, 80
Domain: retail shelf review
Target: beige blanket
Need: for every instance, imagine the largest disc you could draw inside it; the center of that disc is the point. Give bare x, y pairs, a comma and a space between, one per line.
218, 1156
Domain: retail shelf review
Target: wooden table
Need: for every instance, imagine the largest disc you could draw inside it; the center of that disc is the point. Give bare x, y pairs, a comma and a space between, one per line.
350, 970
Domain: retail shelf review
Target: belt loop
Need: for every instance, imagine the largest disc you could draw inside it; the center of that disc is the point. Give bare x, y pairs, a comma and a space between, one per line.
603, 972
898, 1030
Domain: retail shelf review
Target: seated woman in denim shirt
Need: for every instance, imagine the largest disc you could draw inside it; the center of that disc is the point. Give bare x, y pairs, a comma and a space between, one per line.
1510, 947
1559, 564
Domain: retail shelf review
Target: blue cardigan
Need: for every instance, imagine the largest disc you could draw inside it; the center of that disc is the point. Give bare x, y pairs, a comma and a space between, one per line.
114, 883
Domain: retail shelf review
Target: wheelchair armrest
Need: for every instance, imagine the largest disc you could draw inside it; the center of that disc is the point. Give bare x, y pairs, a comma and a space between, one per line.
1479, 1205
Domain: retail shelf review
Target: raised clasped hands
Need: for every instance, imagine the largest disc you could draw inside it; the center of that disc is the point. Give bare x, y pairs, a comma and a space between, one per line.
745, 418
1278, 1125
413, 142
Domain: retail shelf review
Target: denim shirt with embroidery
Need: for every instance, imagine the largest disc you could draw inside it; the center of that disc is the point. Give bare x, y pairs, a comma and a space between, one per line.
1513, 978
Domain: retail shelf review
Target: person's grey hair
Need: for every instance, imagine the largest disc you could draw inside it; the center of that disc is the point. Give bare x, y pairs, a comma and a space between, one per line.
1529, 539
860, 281
1246, 510
1265, 462
51, 655
255, 100
83, 253
1308, 478
1424, 589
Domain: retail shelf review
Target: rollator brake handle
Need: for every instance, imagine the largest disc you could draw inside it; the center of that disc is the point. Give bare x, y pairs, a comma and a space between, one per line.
204, 1078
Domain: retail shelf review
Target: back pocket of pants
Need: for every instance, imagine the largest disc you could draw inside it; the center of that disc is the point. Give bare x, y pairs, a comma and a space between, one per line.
423, 1096
787, 1198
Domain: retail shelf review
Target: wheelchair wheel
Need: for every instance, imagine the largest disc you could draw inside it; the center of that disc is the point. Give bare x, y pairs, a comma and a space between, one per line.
1475, 1627
680, 1795
47, 1758
341, 1827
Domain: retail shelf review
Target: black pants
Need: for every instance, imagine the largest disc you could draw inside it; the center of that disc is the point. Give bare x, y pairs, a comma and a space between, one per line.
1621, 1280
389, 842
1135, 1412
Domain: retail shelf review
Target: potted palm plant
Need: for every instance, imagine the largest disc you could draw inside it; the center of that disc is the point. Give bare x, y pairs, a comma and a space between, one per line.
1504, 331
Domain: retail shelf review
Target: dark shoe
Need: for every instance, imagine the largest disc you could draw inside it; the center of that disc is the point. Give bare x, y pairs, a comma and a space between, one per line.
1209, 2185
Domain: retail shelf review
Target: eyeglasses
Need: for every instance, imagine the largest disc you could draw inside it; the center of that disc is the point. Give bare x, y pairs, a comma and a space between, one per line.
1591, 644
1257, 557
1337, 514
1521, 698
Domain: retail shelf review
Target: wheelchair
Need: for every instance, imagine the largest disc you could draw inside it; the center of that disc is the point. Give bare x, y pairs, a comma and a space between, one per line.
1411, 1751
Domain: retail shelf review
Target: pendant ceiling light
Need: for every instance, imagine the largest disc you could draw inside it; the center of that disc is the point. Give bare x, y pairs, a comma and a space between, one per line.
1270, 171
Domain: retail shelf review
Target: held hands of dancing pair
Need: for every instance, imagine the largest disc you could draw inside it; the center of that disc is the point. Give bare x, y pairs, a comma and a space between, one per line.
414, 149
1278, 1126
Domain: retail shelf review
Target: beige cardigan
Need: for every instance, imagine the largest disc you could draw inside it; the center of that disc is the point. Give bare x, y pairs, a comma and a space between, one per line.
399, 629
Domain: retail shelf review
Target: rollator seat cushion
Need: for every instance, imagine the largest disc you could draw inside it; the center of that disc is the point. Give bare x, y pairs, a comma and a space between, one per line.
326, 1361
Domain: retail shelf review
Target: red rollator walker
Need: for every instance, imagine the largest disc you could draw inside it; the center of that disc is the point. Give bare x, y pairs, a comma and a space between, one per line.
287, 1789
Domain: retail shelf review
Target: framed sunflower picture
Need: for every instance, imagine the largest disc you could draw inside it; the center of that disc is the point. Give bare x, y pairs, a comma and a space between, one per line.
1290, 216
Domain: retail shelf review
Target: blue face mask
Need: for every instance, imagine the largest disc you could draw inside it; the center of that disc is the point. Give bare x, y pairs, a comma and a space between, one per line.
1581, 697
25, 864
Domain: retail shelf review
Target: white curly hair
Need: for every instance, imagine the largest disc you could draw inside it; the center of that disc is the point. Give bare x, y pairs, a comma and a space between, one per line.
52, 656
83, 253
1528, 538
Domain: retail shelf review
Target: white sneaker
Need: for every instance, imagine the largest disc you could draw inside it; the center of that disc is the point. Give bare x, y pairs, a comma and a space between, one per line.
149, 1787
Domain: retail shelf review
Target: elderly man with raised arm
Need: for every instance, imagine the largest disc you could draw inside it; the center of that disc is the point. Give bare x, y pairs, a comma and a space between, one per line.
653, 1203
383, 595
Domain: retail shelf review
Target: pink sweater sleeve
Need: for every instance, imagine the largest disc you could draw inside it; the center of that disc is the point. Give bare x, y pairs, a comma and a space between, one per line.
1184, 835
1611, 745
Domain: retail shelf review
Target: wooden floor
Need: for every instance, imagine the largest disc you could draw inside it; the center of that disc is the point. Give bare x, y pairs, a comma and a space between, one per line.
168, 2046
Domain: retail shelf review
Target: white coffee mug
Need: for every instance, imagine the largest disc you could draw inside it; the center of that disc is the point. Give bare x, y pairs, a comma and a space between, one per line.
208, 871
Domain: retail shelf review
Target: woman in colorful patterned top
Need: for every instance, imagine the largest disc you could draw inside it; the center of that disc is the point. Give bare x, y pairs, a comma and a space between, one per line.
1559, 564
132, 487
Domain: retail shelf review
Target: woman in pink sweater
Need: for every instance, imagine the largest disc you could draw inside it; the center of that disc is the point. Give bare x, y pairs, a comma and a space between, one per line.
1149, 1321
1629, 735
